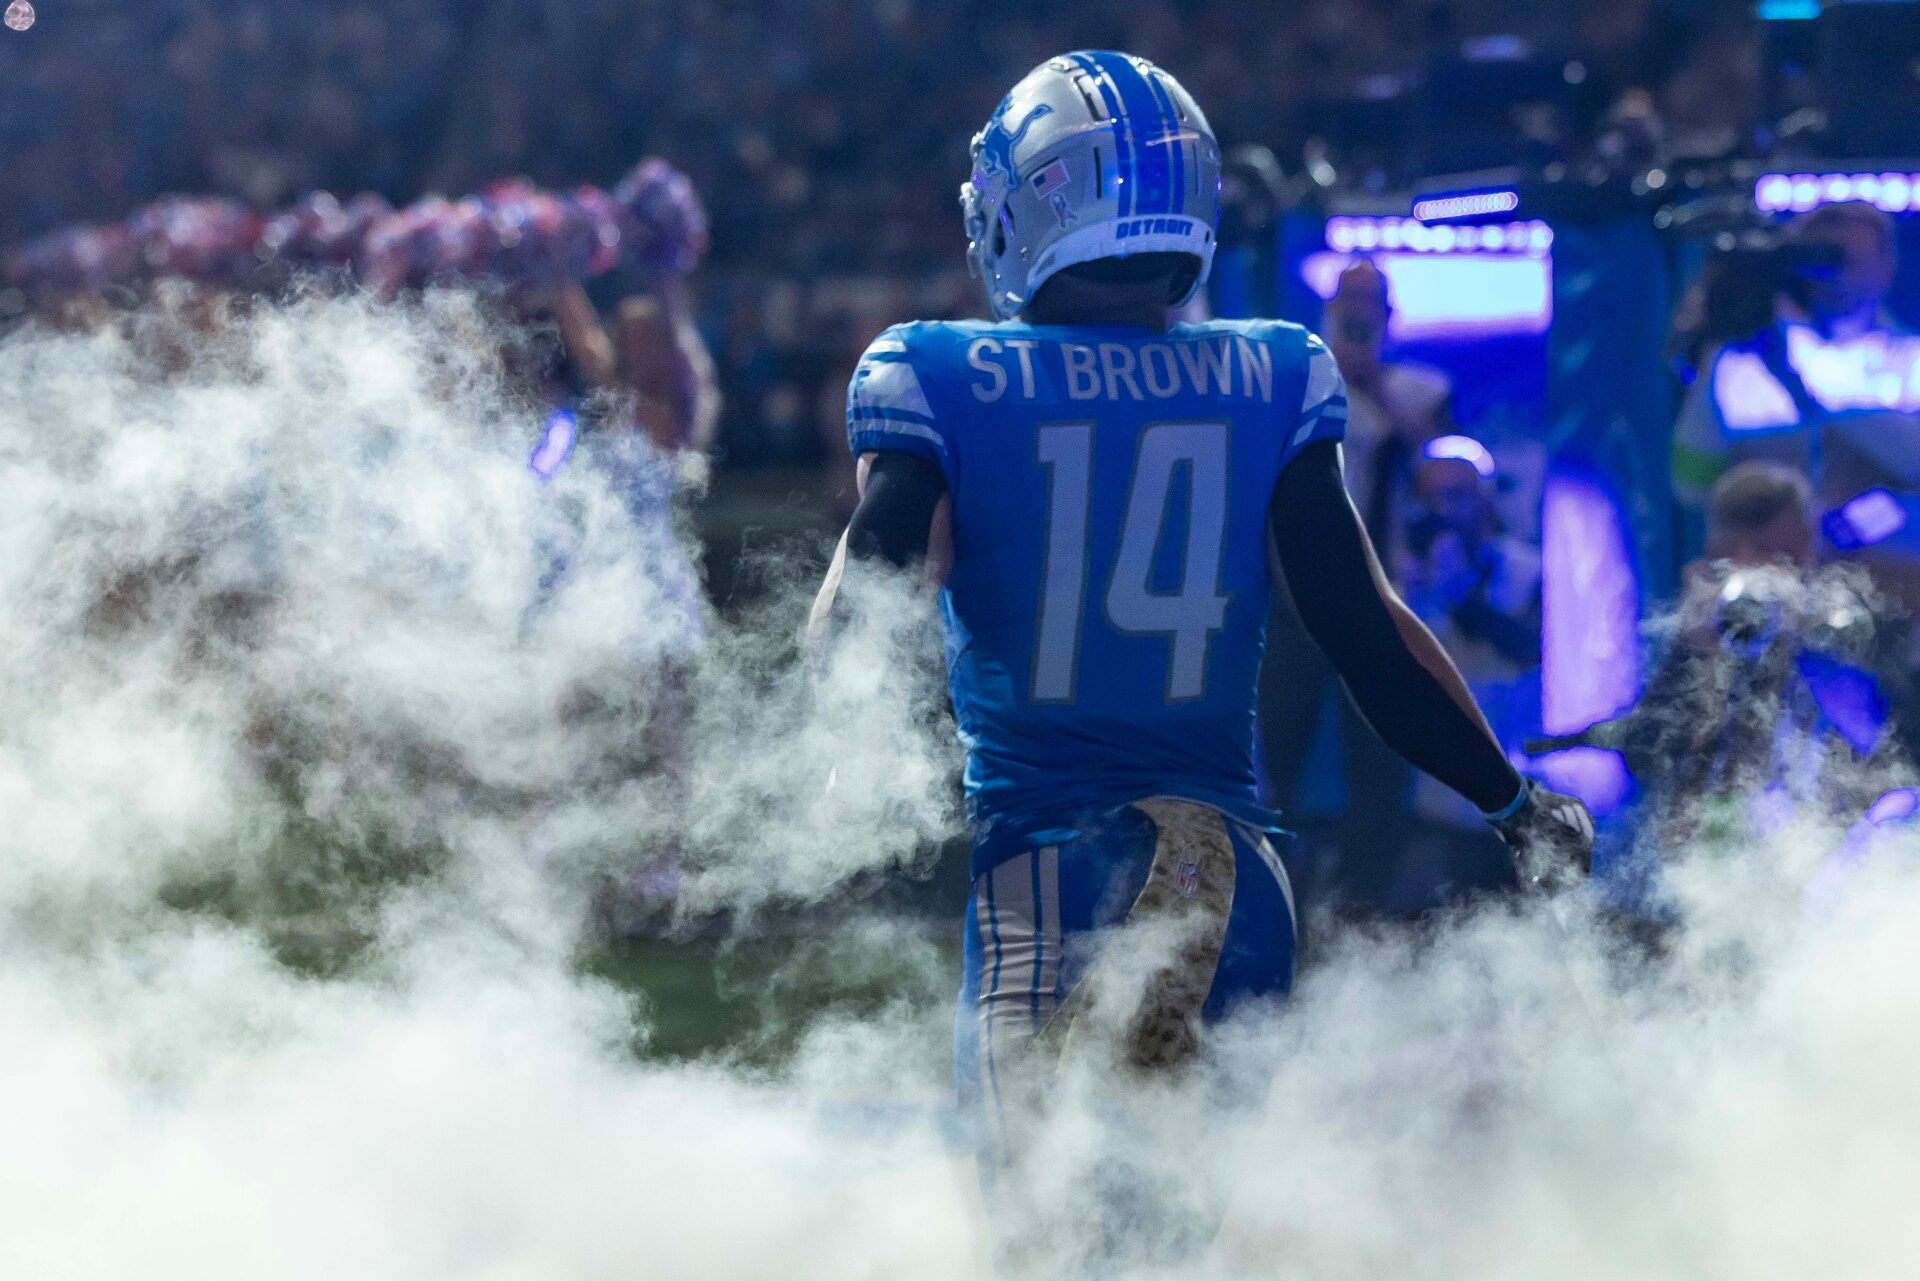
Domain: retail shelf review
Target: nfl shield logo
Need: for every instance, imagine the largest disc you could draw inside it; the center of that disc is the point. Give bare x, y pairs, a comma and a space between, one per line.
1186, 878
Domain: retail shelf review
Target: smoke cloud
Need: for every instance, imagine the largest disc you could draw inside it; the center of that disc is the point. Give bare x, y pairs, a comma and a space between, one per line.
324, 726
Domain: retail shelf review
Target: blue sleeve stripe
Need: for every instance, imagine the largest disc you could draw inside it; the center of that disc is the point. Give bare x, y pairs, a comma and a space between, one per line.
1328, 419
862, 413
870, 427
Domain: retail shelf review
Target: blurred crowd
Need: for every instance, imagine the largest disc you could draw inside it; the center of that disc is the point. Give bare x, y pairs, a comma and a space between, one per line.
827, 140
1781, 678
827, 136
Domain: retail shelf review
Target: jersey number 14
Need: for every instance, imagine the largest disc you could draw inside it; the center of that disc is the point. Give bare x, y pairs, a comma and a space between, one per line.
1189, 614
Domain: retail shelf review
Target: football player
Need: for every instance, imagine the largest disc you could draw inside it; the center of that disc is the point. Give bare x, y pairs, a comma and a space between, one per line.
1110, 497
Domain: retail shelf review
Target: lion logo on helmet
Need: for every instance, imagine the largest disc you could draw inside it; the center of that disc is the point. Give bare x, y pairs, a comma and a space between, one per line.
993, 149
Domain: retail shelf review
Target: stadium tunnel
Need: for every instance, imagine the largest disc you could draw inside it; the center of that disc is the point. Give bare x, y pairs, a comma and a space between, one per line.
1549, 302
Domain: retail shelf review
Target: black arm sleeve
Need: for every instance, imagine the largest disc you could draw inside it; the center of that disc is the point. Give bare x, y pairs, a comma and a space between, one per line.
895, 515
1324, 555
1515, 636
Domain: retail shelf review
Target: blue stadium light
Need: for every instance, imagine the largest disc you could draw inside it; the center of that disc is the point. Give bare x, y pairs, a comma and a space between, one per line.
1590, 633
1365, 233
1466, 204
1446, 281
1787, 10
556, 442
1848, 697
1799, 192
1874, 372
1458, 292
1893, 807
1865, 519
1461, 449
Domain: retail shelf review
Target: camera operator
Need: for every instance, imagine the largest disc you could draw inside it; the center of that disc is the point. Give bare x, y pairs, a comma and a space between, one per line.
1348, 780
1477, 588
1758, 515
1393, 406
1777, 688
1799, 362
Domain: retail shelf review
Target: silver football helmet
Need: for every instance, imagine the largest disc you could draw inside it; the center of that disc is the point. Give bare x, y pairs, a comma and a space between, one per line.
1093, 155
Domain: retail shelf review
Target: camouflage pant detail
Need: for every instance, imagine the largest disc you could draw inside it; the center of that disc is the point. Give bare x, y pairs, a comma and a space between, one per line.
1188, 894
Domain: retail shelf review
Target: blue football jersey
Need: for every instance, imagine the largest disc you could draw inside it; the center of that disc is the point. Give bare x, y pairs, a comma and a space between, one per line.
1107, 605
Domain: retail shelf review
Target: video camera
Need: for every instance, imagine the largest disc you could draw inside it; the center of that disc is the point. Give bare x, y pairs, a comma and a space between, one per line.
1746, 272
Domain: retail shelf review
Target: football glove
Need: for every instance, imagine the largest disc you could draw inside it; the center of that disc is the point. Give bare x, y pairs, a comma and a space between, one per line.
1551, 837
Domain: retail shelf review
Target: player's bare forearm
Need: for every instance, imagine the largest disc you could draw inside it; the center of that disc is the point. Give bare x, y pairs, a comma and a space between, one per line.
1399, 676
585, 337
898, 523
829, 593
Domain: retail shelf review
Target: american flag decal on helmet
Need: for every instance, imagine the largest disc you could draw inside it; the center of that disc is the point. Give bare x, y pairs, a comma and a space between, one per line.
1051, 178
